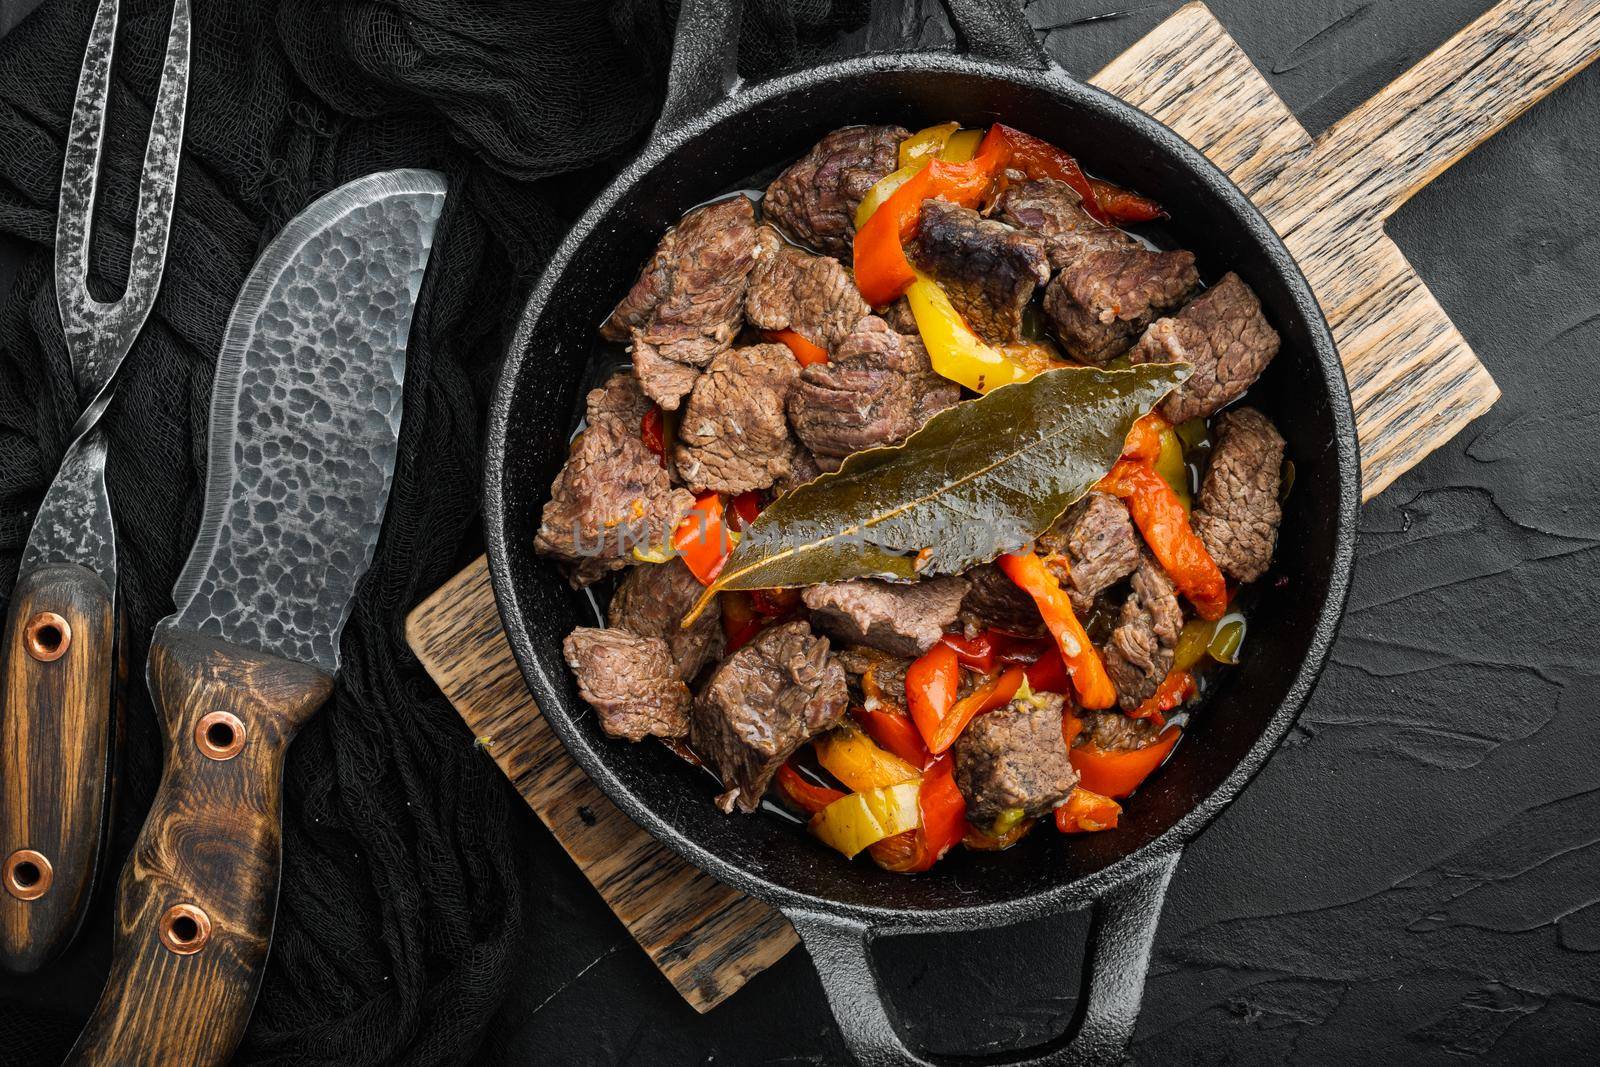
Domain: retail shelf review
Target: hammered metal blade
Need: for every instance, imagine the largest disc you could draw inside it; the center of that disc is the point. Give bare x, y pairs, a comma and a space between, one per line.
305, 418
99, 334
74, 522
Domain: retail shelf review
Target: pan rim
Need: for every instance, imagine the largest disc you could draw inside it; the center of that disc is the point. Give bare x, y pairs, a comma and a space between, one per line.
1345, 461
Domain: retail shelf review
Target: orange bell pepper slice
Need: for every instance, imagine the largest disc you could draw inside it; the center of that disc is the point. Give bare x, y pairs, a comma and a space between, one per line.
1161, 518
1078, 655
1144, 438
702, 540
994, 693
1118, 772
932, 681
1085, 811
893, 732
805, 352
803, 794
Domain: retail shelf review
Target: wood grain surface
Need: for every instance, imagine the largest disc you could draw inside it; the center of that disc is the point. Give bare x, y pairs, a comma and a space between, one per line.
706, 938
57, 721
211, 842
1414, 380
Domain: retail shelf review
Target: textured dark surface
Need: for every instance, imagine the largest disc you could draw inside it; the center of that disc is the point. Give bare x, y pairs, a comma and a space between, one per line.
1414, 877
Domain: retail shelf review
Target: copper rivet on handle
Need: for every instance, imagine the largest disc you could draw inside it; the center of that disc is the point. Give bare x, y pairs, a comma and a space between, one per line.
185, 929
27, 874
220, 735
47, 636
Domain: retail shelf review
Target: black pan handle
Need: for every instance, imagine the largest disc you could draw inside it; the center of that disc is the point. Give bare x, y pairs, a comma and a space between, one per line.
705, 50
1120, 943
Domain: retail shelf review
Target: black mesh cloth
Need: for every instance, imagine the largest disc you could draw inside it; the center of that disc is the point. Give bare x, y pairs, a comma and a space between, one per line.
400, 910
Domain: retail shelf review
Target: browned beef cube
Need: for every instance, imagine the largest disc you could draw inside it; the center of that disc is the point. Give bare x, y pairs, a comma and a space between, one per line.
875, 391
631, 682
993, 601
1015, 757
763, 703
804, 469
1054, 211
1104, 299
1239, 512
734, 437
815, 200
899, 317
1139, 654
904, 619
989, 269
689, 301
613, 493
1224, 336
1115, 732
791, 289
1094, 545
873, 673
652, 601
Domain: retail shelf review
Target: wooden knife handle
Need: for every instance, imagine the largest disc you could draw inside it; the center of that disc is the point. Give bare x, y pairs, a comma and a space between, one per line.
196, 900
58, 712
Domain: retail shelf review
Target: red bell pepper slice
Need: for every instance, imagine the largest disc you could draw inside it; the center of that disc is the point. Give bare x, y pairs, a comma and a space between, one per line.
652, 431
740, 622
775, 603
893, 732
1118, 772
932, 681
745, 510
1124, 205
802, 794
994, 693
1086, 811
1078, 654
1048, 674
1174, 689
944, 822
1037, 158
702, 540
1161, 518
805, 352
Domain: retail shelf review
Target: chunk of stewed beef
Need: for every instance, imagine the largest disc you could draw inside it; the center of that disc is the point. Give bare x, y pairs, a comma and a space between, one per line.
1238, 512
1092, 547
1103, 300
791, 289
1055, 212
688, 303
1114, 731
631, 682
763, 703
612, 494
875, 676
652, 600
993, 602
904, 619
1140, 651
815, 199
875, 391
733, 436
1224, 336
1013, 758
988, 269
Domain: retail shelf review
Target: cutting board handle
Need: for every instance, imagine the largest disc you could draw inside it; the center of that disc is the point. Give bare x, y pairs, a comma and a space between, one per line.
196, 900
1454, 99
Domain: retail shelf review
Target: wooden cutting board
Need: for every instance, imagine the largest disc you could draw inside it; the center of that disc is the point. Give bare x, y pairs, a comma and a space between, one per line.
1415, 382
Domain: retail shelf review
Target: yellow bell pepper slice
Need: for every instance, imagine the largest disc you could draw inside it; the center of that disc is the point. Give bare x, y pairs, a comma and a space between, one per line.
860, 820
962, 146
955, 351
852, 757
1172, 468
926, 144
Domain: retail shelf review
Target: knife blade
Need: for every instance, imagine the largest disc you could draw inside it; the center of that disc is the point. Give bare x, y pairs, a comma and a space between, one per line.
305, 421
60, 662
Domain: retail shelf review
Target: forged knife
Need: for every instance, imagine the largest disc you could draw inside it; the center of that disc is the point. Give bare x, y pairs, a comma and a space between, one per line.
305, 420
60, 658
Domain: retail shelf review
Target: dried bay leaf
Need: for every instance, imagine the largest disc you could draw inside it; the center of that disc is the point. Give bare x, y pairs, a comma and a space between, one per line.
980, 478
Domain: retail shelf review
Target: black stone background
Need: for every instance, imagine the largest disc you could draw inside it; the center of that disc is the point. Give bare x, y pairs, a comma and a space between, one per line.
1415, 877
